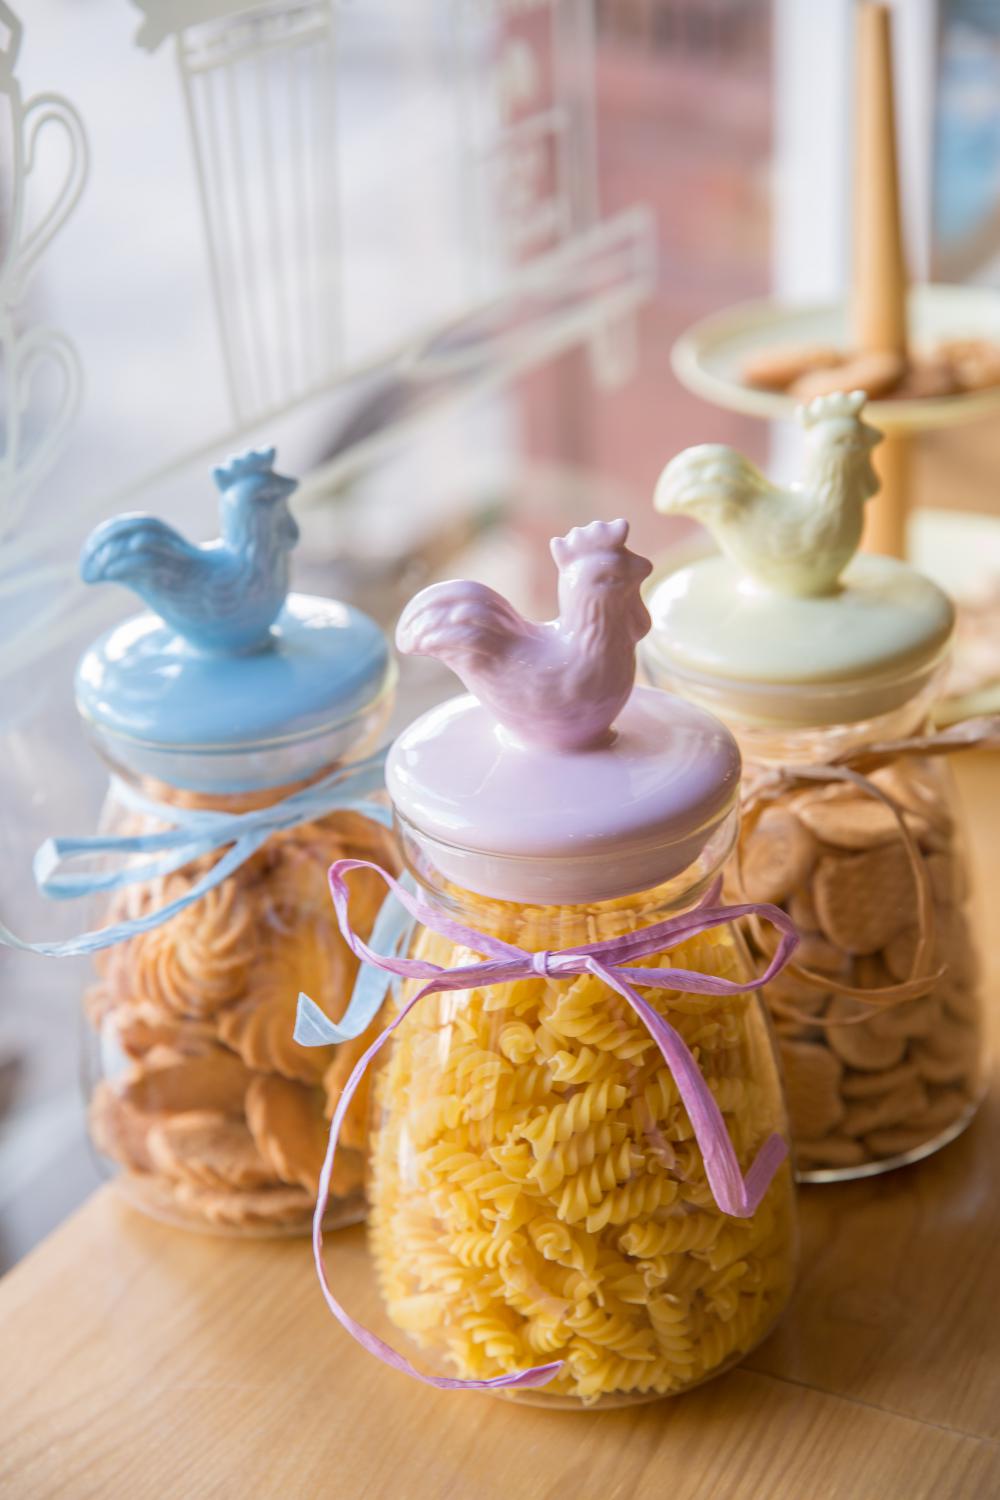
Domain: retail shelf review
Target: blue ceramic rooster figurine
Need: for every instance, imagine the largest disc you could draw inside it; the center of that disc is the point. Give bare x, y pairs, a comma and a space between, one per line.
222, 596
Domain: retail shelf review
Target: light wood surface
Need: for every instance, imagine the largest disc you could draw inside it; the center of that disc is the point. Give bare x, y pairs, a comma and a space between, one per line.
141, 1363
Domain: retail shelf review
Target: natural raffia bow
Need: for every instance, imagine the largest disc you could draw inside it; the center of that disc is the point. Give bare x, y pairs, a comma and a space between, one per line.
854, 768
504, 963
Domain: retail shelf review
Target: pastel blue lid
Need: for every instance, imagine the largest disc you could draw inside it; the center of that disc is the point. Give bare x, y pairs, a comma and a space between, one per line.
226, 660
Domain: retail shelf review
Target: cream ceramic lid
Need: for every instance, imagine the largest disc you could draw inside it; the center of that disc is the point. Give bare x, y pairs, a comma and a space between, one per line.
771, 658
788, 628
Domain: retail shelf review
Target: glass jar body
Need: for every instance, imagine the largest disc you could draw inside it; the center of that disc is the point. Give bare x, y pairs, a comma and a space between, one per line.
871, 1085
536, 1191
204, 1108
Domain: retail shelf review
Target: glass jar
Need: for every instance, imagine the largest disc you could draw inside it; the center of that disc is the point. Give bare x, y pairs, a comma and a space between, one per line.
229, 696
825, 666
208, 1112
872, 1084
536, 1192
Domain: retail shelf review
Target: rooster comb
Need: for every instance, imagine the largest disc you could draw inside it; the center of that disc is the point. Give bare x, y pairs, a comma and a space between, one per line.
585, 541
829, 408
257, 461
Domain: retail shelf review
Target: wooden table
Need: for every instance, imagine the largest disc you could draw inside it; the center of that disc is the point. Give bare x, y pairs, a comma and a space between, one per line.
141, 1363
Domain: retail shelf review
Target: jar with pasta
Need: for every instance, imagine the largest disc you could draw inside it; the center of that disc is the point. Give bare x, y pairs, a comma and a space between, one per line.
578, 1182
826, 667
239, 723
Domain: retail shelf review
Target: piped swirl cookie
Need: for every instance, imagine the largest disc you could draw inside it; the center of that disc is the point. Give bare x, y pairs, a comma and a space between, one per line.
216, 1114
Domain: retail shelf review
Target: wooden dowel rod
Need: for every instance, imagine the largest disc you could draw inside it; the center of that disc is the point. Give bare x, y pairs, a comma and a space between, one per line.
879, 272
885, 513
879, 312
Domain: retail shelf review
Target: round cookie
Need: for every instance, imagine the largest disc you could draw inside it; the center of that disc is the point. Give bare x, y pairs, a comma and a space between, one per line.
855, 823
858, 1045
831, 1153
802, 909
877, 373
216, 1080
776, 369
264, 1209
863, 900
903, 1105
118, 1129
812, 1089
287, 1123
211, 1149
868, 1085
777, 856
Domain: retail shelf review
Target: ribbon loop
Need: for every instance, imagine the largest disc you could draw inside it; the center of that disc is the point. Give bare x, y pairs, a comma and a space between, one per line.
856, 767
734, 1193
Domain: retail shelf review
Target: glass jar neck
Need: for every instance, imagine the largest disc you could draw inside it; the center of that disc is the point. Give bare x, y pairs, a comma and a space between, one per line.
773, 745
533, 925
169, 795
238, 779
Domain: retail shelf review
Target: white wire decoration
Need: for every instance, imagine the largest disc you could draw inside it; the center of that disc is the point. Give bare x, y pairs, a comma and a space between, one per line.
261, 84
31, 442
41, 372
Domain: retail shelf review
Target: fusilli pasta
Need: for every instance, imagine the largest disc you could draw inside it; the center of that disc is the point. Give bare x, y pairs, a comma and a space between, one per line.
536, 1190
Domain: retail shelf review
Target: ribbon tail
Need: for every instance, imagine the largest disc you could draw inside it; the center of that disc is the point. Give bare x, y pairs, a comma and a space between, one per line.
119, 932
535, 1375
179, 846
313, 1028
734, 1194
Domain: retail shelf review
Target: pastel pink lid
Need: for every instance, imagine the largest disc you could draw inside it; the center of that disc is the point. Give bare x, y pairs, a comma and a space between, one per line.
556, 780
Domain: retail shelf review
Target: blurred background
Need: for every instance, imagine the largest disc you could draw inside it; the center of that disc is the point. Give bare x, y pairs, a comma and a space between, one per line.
438, 252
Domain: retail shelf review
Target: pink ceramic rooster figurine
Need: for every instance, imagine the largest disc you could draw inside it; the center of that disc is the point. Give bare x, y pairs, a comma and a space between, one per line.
561, 684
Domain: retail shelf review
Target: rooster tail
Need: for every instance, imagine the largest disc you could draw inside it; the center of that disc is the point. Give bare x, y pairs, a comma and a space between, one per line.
457, 621
122, 549
710, 480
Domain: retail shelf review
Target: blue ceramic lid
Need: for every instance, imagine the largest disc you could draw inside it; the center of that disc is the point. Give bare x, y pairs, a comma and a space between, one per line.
226, 660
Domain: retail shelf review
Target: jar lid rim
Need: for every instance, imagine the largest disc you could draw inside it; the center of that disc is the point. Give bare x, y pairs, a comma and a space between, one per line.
647, 802
802, 661
143, 685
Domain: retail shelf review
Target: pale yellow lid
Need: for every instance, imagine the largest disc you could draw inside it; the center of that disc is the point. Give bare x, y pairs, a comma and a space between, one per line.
771, 658
788, 627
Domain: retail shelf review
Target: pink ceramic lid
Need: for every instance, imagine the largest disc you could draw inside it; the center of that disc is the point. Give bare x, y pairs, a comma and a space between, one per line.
556, 780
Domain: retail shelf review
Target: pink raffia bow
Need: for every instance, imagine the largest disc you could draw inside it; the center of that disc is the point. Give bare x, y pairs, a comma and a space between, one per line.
503, 963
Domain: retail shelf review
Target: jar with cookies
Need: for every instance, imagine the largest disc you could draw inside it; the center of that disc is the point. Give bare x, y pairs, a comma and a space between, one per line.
240, 723
826, 665
580, 1192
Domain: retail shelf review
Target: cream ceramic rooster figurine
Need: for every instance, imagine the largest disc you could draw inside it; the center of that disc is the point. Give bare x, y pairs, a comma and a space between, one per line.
561, 684
796, 540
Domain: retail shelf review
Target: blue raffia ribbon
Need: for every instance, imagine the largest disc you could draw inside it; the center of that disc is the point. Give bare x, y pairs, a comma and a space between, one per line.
503, 963
193, 832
